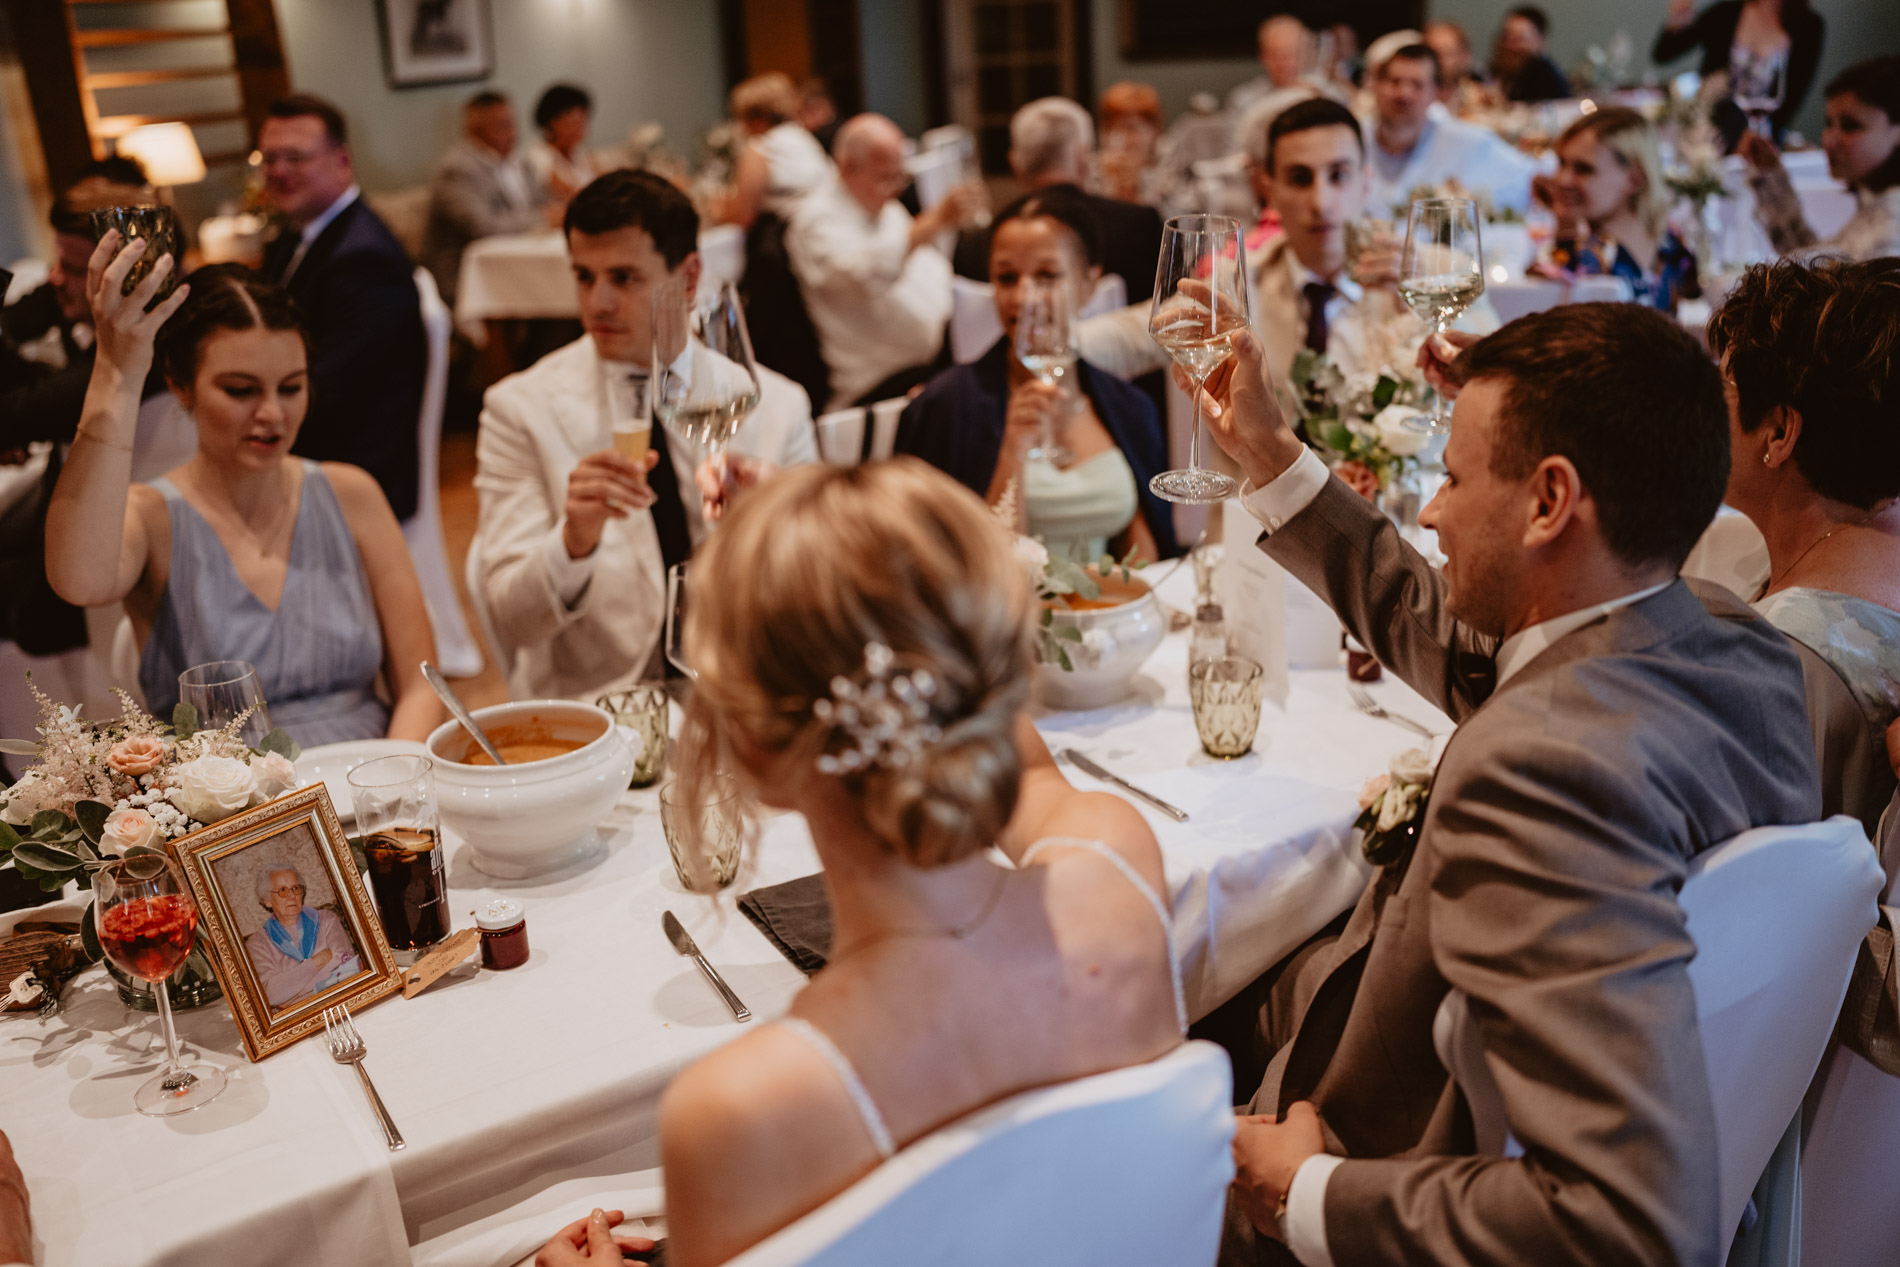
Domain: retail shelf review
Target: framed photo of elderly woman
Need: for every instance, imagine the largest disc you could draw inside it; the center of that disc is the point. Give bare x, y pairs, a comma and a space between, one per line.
291, 927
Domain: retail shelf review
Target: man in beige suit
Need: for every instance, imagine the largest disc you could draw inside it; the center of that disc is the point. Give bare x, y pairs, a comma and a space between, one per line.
571, 551
1613, 724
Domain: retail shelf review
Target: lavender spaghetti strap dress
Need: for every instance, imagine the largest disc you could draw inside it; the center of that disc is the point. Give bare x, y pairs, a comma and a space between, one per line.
317, 655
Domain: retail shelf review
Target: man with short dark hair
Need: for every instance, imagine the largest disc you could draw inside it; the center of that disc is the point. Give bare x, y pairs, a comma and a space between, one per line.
357, 291
483, 186
574, 539
1613, 724
1411, 146
1520, 60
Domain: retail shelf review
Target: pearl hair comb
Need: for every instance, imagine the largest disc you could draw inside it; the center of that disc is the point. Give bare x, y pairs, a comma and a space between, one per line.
888, 716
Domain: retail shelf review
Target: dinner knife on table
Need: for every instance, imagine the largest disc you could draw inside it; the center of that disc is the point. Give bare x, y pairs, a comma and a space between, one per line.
1090, 766
683, 942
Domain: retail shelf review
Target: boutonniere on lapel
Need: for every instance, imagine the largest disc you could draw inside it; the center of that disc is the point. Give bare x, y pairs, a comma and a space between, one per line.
1392, 808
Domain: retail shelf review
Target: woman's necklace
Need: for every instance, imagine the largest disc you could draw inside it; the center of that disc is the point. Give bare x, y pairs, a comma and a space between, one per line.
956, 932
1789, 570
222, 513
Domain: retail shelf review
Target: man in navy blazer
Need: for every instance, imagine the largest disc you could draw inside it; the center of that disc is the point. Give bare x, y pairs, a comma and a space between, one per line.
356, 289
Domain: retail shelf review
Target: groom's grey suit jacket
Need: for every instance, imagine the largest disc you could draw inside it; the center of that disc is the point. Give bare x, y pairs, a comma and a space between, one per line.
1544, 885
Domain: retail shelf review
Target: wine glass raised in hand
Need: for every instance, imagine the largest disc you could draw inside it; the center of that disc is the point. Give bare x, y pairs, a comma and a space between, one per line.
705, 382
1046, 346
1200, 304
1440, 275
147, 922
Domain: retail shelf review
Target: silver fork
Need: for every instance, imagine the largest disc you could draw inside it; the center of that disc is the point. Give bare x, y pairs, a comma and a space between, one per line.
347, 1048
1363, 701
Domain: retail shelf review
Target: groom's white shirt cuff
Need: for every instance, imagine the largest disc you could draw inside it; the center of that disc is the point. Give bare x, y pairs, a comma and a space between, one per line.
1287, 495
1305, 1221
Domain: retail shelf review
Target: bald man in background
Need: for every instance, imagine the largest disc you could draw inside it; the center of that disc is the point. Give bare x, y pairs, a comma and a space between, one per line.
1287, 50
877, 289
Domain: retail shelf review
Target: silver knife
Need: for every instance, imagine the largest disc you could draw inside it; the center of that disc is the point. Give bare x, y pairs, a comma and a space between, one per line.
1091, 767
683, 942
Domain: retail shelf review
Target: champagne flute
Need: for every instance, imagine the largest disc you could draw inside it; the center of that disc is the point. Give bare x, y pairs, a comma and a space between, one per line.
705, 382
1200, 304
1440, 275
221, 690
147, 922
1047, 346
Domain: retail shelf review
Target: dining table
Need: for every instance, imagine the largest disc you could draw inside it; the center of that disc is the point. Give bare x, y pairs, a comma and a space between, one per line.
529, 1096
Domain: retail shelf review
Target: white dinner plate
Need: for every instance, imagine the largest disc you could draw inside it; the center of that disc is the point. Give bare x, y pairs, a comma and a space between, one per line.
331, 765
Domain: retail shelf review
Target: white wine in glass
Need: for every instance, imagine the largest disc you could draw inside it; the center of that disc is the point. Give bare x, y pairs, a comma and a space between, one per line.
1441, 275
1200, 304
705, 383
1047, 346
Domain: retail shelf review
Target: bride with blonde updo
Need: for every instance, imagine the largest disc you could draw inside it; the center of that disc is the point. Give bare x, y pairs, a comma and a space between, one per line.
955, 978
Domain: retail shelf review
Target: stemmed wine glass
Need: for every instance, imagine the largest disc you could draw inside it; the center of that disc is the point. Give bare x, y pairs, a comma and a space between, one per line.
676, 619
147, 922
1441, 275
705, 382
1760, 85
1200, 304
222, 689
1047, 346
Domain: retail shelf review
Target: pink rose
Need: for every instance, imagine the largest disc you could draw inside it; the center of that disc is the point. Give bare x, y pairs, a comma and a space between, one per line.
126, 828
1359, 478
137, 756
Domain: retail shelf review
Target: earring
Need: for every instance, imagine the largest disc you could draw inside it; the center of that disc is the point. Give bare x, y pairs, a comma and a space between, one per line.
1764, 457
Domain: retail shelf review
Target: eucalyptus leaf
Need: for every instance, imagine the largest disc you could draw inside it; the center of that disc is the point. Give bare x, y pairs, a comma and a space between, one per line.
20, 747
184, 720
51, 821
280, 742
1062, 658
1382, 394
1336, 436
8, 837
1068, 633
89, 933
46, 858
91, 817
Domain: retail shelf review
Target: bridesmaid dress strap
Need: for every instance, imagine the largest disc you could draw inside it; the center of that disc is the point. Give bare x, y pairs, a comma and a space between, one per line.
1142, 887
853, 1085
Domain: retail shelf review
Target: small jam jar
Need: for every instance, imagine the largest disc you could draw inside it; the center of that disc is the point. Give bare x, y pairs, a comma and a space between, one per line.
504, 931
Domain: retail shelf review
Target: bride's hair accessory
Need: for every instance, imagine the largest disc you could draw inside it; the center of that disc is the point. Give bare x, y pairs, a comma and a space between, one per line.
887, 715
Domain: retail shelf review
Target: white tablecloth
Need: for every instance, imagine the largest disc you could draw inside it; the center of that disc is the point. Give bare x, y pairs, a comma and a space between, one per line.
530, 1086
517, 275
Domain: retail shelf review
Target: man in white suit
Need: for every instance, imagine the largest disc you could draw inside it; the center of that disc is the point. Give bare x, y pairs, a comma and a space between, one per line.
574, 540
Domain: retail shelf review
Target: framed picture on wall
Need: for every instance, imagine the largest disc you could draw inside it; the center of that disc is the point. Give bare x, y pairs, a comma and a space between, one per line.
436, 41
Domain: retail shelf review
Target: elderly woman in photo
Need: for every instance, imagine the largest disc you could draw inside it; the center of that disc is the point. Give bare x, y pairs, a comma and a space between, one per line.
299, 951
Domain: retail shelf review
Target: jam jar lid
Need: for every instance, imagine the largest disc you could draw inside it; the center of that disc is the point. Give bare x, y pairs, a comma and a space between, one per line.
498, 915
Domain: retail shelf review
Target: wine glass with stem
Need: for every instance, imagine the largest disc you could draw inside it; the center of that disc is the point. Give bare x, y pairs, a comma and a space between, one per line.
1200, 304
1046, 346
147, 921
705, 382
222, 689
675, 634
1440, 275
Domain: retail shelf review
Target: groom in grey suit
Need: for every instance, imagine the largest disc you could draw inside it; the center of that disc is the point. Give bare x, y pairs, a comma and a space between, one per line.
1613, 724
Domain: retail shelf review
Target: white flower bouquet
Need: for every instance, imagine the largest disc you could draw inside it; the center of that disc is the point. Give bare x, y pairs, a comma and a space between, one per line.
1392, 808
1359, 419
101, 790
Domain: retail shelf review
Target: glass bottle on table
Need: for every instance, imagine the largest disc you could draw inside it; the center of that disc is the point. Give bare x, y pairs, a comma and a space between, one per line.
147, 922
1440, 275
1200, 304
1048, 347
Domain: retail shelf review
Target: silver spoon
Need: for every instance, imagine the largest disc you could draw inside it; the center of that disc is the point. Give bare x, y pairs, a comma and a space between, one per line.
454, 701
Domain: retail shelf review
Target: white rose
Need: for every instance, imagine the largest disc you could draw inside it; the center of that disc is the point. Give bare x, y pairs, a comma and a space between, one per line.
1400, 440
1399, 803
1414, 765
27, 797
126, 828
213, 788
274, 773
1034, 556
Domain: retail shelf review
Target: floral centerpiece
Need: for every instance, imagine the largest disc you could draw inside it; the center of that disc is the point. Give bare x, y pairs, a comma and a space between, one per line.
1392, 808
1360, 419
109, 789
1056, 577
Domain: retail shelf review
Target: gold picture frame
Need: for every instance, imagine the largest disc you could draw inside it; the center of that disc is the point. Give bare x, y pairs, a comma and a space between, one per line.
280, 974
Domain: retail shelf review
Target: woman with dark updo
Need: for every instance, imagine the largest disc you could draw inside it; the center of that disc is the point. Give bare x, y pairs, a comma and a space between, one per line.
244, 552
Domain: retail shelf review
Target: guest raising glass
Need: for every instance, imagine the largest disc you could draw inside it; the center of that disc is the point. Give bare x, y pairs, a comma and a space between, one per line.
242, 553
893, 574
1200, 304
1862, 140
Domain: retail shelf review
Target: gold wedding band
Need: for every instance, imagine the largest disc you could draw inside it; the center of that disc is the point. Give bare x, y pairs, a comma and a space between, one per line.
614, 503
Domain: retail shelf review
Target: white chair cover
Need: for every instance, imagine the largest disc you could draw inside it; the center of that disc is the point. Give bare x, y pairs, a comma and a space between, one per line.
456, 651
1128, 1167
841, 432
722, 252
1600, 290
1777, 916
973, 323
1850, 1215
1521, 298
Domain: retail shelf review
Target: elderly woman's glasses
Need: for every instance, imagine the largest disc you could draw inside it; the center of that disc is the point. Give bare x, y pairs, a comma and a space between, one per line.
289, 890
